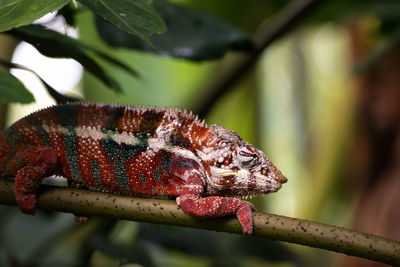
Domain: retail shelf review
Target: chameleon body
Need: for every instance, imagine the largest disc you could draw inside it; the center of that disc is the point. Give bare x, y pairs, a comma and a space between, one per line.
148, 152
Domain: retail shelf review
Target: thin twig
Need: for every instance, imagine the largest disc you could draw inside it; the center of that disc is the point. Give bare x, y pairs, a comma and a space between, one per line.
271, 226
284, 21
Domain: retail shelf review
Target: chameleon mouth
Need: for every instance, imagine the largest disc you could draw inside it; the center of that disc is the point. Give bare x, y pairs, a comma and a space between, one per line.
244, 183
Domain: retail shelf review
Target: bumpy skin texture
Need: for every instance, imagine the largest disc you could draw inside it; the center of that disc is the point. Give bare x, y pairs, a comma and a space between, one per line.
148, 152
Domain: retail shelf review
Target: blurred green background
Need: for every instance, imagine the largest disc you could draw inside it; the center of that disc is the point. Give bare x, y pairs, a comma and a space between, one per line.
323, 104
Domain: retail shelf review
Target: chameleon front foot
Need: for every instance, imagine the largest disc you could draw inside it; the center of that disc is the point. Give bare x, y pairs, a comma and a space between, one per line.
244, 215
218, 207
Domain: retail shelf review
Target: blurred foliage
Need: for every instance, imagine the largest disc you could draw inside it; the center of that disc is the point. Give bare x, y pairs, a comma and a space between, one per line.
297, 105
53, 44
191, 34
149, 89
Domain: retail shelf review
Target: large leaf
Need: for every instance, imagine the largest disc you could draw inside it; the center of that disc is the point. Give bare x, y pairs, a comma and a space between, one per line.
191, 34
15, 13
12, 90
137, 17
54, 44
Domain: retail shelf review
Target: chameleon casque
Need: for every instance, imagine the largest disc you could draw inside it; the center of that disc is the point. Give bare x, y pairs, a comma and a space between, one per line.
139, 151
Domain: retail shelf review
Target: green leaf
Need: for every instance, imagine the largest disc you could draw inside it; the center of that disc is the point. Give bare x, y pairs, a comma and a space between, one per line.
137, 17
54, 44
15, 13
12, 90
191, 34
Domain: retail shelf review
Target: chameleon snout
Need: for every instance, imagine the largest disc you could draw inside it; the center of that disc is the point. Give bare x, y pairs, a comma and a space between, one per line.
279, 177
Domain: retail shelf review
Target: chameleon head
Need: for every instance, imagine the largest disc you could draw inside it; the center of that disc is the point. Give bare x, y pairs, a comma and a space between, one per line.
239, 169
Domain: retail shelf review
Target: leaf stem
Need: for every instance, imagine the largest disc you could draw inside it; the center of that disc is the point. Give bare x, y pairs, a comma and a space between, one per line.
92, 203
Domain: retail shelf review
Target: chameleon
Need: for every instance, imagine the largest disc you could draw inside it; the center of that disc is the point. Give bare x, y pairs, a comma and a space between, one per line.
138, 151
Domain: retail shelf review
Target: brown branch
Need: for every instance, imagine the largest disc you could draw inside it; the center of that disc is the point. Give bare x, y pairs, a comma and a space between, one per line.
283, 23
91, 203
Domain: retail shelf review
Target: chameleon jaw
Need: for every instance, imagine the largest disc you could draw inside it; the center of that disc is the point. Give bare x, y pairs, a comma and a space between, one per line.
241, 183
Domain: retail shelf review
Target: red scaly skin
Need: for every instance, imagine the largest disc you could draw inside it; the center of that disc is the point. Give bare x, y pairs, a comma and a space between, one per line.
148, 152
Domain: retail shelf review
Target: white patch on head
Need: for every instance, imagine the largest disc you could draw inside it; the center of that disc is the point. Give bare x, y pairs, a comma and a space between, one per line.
221, 171
210, 154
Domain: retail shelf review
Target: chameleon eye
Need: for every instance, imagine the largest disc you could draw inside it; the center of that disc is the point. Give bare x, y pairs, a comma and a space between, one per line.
248, 158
